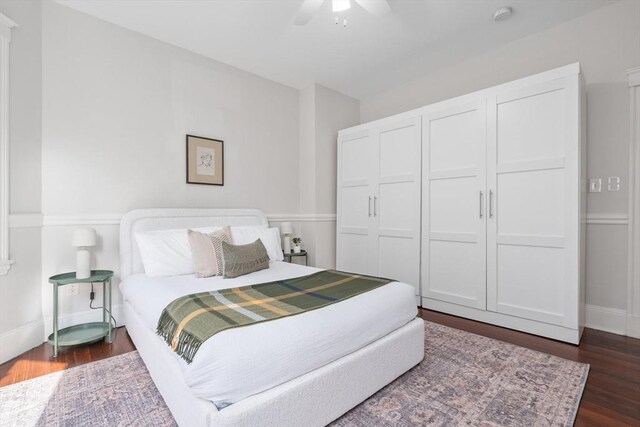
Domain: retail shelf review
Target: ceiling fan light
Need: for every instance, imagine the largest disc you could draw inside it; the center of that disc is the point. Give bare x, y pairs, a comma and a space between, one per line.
340, 5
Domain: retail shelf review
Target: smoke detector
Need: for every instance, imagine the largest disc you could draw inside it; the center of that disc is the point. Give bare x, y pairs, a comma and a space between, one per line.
502, 14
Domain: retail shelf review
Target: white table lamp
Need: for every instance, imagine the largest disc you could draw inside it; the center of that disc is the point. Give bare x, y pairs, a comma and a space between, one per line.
83, 238
287, 230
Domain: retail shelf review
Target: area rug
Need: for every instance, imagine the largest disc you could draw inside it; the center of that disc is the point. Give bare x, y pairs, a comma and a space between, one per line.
464, 380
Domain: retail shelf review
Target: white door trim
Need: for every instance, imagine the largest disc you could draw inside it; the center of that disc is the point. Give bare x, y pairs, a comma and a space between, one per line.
5, 39
633, 285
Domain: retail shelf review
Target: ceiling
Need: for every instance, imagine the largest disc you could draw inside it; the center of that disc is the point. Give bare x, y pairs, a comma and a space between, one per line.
369, 56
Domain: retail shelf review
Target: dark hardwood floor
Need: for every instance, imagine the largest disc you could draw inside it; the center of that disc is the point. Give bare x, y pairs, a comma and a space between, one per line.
39, 361
611, 396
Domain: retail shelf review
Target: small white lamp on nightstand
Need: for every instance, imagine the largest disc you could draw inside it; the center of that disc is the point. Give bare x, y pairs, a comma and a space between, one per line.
83, 239
287, 230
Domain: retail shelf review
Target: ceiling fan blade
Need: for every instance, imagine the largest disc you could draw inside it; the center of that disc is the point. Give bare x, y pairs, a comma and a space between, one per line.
306, 11
375, 7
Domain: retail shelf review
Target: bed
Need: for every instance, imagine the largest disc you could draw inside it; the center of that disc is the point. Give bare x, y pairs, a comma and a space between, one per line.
306, 369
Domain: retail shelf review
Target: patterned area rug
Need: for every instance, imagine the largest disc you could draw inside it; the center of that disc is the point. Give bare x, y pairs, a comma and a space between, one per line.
464, 380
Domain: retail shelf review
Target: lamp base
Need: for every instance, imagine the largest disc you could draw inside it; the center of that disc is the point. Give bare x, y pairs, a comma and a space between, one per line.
83, 263
287, 245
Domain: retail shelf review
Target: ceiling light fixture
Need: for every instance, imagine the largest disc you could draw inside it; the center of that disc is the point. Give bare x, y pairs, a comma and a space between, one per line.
377, 8
502, 14
340, 5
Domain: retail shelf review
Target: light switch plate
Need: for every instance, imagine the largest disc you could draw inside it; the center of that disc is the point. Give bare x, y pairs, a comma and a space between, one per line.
613, 183
595, 185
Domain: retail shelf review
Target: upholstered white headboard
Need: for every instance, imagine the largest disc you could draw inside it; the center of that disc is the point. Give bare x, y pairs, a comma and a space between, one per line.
166, 219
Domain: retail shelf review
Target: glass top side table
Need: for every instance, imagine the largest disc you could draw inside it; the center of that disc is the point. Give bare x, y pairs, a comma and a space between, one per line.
84, 332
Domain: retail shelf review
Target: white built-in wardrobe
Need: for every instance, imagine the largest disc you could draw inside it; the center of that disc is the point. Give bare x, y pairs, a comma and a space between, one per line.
477, 201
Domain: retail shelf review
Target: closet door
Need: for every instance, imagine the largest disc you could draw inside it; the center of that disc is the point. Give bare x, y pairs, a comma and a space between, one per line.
396, 210
355, 235
454, 204
533, 257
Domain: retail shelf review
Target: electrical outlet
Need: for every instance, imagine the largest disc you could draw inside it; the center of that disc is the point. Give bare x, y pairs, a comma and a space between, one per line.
595, 185
613, 183
74, 289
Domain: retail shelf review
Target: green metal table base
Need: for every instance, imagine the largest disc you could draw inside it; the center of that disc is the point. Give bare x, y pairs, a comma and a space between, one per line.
80, 334
85, 332
292, 255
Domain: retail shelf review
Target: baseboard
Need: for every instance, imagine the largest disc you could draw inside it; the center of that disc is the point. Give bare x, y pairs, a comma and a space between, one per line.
71, 319
16, 341
633, 326
606, 319
548, 330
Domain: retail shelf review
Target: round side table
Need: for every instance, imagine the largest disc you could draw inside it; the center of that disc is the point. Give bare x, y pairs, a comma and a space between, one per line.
84, 332
290, 255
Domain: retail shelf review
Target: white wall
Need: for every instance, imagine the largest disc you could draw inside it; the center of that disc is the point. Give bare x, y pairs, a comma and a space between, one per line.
322, 113
116, 108
607, 43
20, 306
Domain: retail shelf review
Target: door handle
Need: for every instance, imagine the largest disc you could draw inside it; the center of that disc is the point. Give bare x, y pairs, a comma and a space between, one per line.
490, 204
374, 205
369, 205
480, 204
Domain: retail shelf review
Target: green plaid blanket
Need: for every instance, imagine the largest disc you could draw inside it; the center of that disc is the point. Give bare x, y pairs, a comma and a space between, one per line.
190, 320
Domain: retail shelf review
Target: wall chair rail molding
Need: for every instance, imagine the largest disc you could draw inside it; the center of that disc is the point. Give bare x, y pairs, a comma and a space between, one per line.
633, 290
81, 219
301, 217
6, 25
607, 219
114, 219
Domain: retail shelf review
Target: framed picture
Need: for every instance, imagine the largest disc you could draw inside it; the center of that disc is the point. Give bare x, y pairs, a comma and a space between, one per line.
205, 161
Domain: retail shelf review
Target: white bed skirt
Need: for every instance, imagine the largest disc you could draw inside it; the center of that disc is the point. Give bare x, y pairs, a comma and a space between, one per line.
313, 399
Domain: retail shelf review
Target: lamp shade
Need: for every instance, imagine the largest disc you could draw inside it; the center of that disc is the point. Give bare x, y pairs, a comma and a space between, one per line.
84, 236
286, 228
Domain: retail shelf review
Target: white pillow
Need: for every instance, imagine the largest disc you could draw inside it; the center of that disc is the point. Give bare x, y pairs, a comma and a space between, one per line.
168, 253
165, 252
270, 239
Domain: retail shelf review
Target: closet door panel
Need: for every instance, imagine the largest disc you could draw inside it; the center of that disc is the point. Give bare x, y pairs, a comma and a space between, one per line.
453, 275
533, 124
396, 206
353, 249
394, 253
534, 284
527, 234
451, 138
398, 150
397, 202
531, 203
356, 159
455, 205
355, 209
454, 197
354, 204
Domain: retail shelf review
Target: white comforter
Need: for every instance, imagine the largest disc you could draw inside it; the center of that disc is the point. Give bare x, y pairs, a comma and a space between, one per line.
243, 361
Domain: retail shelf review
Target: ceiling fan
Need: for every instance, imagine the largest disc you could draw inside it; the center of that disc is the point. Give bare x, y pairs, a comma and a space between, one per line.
309, 7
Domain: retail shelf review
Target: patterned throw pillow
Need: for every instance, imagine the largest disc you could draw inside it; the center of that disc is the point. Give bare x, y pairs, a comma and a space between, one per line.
244, 259
207, 251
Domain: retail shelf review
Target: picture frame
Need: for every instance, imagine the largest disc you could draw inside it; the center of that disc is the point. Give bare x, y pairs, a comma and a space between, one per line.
205, 160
